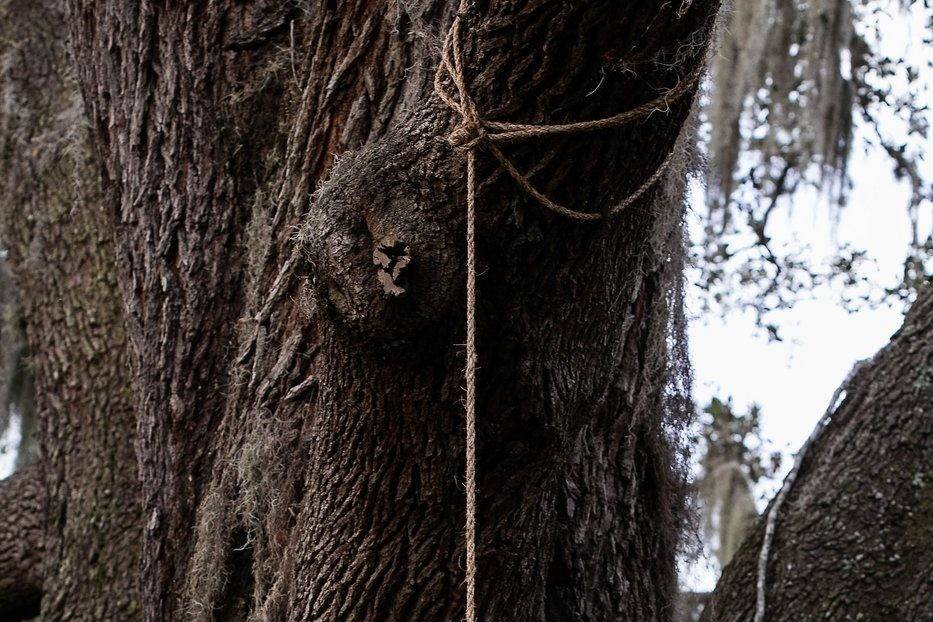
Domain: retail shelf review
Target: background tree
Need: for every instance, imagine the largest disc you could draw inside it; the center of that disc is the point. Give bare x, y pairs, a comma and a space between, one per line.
17, 401
55, 230
731, 463
796, 87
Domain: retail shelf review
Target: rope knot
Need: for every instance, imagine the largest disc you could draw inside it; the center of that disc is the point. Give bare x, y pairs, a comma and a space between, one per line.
468, 135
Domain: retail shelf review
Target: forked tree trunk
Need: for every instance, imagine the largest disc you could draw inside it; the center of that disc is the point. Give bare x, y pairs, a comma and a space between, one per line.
58, 238
300, 430
853, 537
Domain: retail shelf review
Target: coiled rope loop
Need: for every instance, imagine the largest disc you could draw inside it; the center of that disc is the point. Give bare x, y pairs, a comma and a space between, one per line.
472, 133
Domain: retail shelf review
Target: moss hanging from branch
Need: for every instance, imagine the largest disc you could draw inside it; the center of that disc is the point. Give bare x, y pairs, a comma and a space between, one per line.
783, 90
794, 84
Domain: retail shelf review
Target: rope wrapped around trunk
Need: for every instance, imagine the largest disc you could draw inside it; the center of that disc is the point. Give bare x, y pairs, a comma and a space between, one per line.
472, 134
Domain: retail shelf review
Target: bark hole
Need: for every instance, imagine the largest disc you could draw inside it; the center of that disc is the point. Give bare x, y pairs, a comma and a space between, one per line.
392, 257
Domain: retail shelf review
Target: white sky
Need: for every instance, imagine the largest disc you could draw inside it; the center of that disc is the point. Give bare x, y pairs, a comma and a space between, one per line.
793, 381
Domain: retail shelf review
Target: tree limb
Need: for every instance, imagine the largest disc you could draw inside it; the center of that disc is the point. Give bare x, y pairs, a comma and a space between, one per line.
852, 539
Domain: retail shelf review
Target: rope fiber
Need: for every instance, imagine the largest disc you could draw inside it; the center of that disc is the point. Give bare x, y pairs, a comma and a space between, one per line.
471, 134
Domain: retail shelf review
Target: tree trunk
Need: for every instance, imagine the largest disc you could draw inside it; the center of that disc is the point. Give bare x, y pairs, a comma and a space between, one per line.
304, 423
852, 538
59, 243
21, 544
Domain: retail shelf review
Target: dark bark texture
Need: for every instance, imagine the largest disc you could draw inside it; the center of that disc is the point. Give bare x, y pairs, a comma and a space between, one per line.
852, 540
307, 424
21, 544
304, 424
59, 242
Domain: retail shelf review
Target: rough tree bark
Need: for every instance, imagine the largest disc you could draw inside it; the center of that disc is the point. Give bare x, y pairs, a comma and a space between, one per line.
21, 544
57, 235
305, 423
852, 541
309, 424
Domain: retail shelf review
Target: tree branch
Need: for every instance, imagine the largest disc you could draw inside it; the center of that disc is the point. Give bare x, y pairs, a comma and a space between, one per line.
852, 538
21, 544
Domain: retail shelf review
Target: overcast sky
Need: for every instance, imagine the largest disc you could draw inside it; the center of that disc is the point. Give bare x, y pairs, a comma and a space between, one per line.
793, 381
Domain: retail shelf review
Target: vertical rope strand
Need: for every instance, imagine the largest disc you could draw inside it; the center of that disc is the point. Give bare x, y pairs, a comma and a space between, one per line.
474, 133
471, 390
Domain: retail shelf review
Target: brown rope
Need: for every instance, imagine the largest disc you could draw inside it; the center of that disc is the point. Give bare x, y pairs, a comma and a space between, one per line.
472, 133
